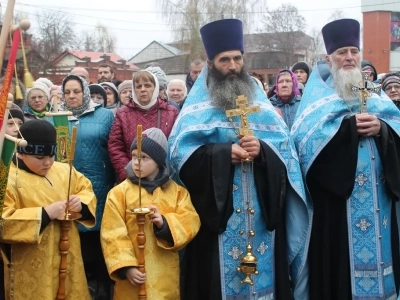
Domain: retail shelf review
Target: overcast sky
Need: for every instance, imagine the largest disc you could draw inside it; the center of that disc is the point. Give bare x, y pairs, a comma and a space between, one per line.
136, 23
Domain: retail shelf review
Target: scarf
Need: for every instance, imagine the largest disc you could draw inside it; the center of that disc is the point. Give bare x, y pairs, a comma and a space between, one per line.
77, 111
38, 114
149, 185
153, 98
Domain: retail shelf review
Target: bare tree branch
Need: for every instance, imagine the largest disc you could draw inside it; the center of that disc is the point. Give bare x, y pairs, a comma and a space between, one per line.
55, 34
318, 45
98, 40
287, 27
336, 15
186, 17
105, 41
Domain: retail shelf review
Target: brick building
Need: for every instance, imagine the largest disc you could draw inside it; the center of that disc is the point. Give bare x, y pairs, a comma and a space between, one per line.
381, 34
264, 54
91, 61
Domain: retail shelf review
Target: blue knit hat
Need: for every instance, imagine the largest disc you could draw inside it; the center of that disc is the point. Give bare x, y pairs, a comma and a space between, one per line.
154, 144
222, 35
341, 33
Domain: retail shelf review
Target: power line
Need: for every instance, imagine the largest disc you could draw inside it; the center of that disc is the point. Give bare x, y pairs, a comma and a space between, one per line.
93, 17
50, 8
195, 13
94, 26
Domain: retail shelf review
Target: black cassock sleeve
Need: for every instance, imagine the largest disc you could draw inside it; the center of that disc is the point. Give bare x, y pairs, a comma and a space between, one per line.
208, 175
334, 168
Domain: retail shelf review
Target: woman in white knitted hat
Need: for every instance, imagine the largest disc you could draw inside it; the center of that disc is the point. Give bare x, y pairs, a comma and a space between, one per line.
38, 104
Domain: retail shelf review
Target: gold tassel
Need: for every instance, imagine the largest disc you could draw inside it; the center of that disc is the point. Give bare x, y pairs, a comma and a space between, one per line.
28, 78
18, 92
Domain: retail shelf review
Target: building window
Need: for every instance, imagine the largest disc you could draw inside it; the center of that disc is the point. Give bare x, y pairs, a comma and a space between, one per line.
395, 32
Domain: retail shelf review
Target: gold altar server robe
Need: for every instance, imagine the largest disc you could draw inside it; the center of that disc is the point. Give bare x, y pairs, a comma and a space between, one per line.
33, 271
119, 231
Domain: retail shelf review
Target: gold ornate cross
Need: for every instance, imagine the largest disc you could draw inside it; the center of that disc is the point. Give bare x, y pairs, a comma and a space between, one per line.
365, 90
242, 111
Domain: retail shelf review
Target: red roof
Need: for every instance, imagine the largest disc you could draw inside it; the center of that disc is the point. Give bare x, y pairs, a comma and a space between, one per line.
96, 56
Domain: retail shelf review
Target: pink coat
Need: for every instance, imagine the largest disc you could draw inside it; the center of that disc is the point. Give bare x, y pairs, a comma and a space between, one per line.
123, 131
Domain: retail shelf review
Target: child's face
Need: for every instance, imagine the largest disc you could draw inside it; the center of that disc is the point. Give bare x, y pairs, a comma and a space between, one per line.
97, 98
39, 165
148, 167
12, 126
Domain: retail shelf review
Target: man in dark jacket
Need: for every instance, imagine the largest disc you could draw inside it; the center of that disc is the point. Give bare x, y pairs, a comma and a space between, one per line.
195, 69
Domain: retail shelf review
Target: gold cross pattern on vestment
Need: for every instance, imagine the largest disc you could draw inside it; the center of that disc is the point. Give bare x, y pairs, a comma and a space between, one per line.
243, 111
365, 90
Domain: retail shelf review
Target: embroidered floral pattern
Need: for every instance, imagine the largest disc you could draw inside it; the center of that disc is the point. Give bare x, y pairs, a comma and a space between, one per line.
262, 248
363, 224
361, 179
235, 253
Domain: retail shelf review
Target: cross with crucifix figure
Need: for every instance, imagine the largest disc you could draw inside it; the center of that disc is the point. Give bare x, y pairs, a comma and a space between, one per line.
242, 111
365, 90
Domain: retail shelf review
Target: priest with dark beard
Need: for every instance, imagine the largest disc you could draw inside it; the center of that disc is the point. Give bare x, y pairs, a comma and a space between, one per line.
351, 163
247, 190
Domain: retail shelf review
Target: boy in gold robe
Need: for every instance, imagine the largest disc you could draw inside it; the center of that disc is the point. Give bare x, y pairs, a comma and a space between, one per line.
36, 197
173, 222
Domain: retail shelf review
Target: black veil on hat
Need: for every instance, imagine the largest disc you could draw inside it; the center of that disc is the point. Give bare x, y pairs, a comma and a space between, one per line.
222, 35
341, 33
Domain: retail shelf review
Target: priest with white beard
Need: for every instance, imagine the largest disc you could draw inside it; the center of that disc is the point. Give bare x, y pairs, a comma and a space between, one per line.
351, 166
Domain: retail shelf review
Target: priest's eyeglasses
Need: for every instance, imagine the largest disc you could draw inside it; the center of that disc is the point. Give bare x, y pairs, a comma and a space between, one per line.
392, 86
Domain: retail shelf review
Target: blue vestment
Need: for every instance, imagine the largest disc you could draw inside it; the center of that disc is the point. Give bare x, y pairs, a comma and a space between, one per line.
368, 208
201, 123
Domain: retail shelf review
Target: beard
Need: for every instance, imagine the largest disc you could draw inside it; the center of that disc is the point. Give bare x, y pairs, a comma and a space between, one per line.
225, 89
343, 79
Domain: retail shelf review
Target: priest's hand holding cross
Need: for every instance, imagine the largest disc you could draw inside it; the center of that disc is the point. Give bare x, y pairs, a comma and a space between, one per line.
249, 145
367, 125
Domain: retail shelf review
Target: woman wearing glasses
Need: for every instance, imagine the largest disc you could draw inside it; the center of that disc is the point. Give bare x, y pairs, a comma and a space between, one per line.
391, 86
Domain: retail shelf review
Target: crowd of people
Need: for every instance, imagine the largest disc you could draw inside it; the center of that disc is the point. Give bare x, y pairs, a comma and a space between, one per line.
247, 192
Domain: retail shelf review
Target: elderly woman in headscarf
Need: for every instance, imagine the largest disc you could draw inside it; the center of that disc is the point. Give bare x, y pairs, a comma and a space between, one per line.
287, 95
147, 109
93, 123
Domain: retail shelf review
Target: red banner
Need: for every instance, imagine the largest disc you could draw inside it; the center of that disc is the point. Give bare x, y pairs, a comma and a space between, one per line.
9, 74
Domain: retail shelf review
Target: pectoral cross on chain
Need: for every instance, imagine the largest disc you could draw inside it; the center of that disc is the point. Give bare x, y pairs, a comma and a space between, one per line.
365, 90
242, 111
